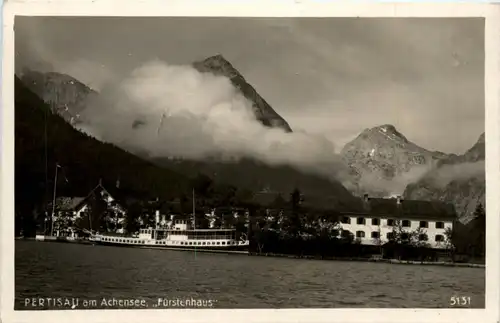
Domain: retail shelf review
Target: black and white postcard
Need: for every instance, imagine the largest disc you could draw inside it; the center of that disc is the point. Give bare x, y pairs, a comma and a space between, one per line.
313, 162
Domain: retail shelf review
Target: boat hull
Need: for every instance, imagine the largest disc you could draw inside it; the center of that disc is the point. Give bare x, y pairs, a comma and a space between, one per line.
242, 247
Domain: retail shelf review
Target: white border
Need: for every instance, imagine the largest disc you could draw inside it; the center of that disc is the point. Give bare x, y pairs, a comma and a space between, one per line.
260, 8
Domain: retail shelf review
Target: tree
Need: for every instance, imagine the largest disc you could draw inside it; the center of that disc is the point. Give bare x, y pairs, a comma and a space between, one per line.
134, 212
292, 224
98, 212
450, 247
478, 228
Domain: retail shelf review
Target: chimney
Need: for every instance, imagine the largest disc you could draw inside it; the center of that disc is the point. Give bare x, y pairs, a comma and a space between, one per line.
100, 181
118, 183
366, 198
399, 199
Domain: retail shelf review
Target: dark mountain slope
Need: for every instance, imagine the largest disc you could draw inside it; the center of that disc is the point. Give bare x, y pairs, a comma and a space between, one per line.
259, 177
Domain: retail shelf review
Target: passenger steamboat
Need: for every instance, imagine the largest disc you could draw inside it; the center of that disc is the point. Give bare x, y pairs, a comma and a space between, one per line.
181, 234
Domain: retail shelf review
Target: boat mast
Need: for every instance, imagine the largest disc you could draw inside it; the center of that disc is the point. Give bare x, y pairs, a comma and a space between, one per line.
54, 202
45, 215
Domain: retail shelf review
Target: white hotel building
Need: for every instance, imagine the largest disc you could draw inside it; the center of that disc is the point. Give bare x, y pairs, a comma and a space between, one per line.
376, 223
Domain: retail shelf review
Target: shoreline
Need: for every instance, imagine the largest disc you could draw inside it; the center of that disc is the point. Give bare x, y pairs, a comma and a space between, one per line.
275, 255
377, 260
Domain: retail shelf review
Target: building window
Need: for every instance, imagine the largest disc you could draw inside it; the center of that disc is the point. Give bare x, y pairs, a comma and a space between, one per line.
424, 224
204, 243
439, 238
360, 234
224, 242
406, 223
422, 237
218, 242
390, 222
404, 236
390, 235
376, 221
360, 221
375, 234
439, 225
346, 220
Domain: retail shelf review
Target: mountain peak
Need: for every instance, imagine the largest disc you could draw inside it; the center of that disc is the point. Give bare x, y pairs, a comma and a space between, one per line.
387, 127
380, 159
217, 58
218, 65
481, 139
382, 133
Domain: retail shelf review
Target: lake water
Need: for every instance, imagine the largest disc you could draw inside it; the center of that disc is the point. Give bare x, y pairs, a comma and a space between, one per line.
89, 276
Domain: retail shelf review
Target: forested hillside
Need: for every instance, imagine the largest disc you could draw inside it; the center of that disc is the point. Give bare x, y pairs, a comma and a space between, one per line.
44, 139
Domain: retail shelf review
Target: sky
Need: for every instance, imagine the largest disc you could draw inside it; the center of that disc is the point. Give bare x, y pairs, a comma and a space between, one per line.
329, 76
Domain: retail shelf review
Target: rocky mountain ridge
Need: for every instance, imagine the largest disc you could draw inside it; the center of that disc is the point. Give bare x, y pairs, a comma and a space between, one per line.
66, 96
64, 91
69, 97
382, 161
218, 65
457, 179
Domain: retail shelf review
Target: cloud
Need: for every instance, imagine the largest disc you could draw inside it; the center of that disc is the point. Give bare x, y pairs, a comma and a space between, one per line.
444, 175
396, 185
35, 52
172, 110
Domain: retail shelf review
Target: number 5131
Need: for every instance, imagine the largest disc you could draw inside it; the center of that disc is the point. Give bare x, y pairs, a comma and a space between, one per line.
459, 301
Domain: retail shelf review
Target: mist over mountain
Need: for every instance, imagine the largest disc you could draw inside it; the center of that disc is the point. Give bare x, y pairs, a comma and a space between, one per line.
218, 65
43, 140
382, 161
208, 115
457, 179
206, 118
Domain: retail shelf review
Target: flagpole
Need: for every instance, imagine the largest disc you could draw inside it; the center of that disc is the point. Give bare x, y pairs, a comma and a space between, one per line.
54, 202
194, 222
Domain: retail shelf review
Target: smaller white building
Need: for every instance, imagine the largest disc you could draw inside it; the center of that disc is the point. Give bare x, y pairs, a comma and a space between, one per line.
383, 219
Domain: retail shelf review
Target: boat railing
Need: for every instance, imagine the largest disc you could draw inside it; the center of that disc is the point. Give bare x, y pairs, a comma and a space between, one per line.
206, 237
